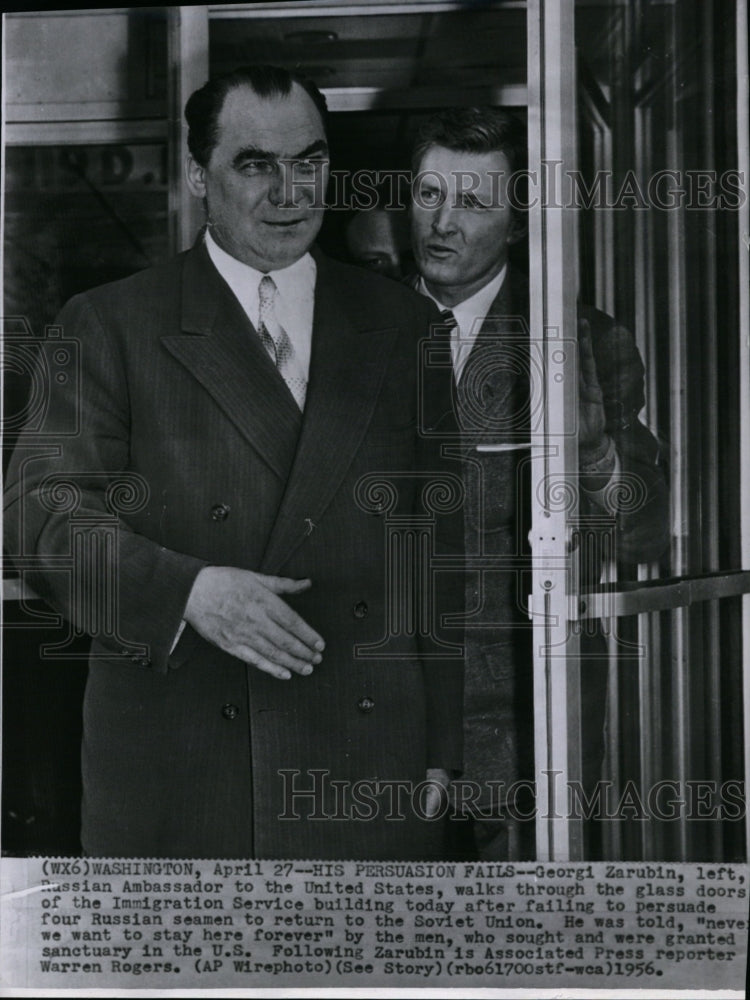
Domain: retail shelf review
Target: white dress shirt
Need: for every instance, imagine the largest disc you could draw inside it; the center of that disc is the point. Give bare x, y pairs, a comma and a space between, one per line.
469, 314
295, 301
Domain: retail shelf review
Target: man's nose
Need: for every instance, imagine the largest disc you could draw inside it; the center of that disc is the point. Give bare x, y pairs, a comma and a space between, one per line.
279, 189
284, 190
444, 219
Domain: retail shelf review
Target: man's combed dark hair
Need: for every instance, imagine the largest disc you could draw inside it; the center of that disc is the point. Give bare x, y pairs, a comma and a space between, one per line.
473, 130
204, 106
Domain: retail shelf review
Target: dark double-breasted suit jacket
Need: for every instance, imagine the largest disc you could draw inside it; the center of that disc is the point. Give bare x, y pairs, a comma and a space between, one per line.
493, 405
186, 423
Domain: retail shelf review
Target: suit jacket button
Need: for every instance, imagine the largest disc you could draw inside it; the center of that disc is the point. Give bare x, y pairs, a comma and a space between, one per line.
220, 512
360, 609
230, 712
365, 705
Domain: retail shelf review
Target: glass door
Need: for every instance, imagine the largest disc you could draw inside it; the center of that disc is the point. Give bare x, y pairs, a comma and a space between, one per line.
634, 113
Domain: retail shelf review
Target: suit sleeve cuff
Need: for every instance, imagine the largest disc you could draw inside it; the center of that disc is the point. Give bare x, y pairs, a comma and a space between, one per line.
604, 497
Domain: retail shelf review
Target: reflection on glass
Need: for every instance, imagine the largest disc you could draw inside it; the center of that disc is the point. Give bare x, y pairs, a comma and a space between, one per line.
658, 244
474, 45
78, 216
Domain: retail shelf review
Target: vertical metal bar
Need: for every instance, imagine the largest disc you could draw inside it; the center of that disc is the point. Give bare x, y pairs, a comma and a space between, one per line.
743, 224
613, 827
678, 382
645, 322
621, 35
3, 72
620, 82
4, 91
624, 701
188, 70
605, 226
649, 634
551, 87
652, 737
711, 441
604, 242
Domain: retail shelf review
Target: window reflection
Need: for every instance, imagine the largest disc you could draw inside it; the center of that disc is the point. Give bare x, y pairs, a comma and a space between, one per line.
78, 216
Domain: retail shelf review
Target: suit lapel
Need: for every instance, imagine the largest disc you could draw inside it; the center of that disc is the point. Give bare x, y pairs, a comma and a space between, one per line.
492, 394
509, 313
347, 368
220, 348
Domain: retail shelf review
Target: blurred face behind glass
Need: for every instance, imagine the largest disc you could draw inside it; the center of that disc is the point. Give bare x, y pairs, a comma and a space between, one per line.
265, 181
462, 224
379, 240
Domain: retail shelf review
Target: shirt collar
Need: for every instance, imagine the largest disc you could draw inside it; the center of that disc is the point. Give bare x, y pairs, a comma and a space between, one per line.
476, 307
295, 303
469, 316
293, 282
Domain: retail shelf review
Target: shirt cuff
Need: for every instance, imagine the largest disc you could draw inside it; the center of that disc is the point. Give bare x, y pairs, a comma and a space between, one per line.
605, 497
180, 630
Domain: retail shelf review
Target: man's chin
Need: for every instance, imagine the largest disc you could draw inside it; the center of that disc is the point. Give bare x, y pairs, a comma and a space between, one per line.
437, 274
280, 253
289, 244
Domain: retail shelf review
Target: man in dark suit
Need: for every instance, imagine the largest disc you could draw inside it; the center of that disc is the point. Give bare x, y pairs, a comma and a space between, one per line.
251, 410
463, 224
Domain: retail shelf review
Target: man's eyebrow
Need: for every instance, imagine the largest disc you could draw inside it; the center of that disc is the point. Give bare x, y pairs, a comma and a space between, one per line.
253, 153
319, 146
256, 153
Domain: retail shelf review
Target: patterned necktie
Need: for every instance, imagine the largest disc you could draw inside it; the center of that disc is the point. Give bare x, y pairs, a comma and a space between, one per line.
460, 350
276, 341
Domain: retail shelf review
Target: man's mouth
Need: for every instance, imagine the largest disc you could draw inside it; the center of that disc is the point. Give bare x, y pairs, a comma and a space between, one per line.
285, 223
439, 250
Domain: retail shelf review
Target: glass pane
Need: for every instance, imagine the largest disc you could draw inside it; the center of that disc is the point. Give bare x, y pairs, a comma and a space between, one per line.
77, 216
658, 193
97, 63
451, 49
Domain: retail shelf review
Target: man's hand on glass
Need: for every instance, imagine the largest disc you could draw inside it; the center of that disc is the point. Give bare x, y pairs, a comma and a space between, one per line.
440, 782
591, 418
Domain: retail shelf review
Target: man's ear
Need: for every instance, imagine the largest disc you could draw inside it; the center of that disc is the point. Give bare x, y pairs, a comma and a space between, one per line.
196, 176
519, 229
